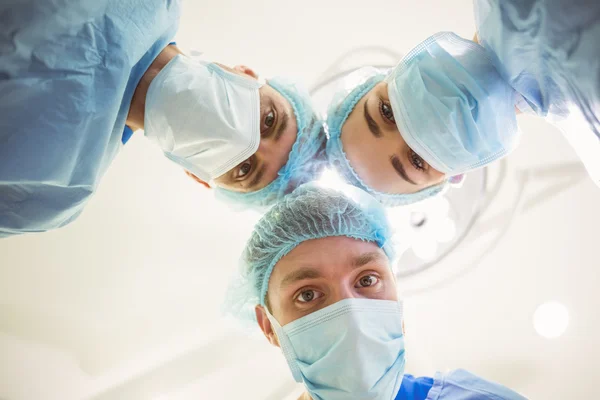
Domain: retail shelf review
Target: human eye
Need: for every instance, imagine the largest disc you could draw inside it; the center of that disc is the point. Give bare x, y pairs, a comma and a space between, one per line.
367, 281
385, 109
243, 169
268, 121
306, 296
416, 160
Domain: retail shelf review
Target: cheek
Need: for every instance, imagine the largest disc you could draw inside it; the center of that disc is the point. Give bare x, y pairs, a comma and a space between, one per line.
279, 307
391, 292
228, 183
223, 181
277, 152
287, 140
436, 176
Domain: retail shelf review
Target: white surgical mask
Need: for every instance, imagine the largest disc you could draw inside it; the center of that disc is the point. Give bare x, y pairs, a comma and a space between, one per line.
353, 349
204, 118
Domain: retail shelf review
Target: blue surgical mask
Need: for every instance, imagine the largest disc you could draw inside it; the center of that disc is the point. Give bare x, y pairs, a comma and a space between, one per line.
451, 105
351, 349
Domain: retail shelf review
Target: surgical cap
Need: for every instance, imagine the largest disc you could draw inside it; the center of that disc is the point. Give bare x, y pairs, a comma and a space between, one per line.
339, 110
312, 211
306, 159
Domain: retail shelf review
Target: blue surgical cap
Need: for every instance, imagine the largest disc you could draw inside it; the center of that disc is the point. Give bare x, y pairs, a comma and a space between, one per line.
312, 211
339, 110
306, 159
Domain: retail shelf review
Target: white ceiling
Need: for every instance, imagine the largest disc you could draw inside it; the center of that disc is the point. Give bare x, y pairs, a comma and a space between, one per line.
124, 303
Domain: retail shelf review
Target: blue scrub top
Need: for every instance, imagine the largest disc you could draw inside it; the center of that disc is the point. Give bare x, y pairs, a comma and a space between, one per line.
68, 71
414, 388
548, 51
456, 385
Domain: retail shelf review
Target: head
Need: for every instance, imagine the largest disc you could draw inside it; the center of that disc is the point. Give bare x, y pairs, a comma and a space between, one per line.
291, 150
406, 134
312, 217
252, 141
322, 257
366, 147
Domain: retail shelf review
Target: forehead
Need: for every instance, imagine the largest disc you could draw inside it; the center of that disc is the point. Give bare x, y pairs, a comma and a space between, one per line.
330, 255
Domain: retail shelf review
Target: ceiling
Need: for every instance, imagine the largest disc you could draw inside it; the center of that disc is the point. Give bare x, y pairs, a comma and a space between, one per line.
124, 303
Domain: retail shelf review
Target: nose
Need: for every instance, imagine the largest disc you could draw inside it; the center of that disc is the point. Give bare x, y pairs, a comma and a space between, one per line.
272, 154
344, 291
265, 149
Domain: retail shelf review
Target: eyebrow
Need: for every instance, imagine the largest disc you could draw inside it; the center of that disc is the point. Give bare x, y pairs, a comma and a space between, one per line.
299, 275
257, 177
373, 127
314, 273
366, 258
282, 126
400, 169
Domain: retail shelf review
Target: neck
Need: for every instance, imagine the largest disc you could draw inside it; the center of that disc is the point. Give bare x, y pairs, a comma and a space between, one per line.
135, 118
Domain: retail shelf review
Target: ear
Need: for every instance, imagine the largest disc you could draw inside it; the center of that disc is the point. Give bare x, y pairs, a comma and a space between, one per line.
265, 325
246, 71
200, 181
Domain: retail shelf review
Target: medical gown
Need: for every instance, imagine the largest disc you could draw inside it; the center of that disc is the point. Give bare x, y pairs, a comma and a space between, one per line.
549, 51
68, 71
455, 385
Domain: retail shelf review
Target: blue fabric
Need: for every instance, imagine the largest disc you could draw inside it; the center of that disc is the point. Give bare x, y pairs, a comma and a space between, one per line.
463, 385
451, 105
456, 385
548, 51
414, 388
68, 71
127, 133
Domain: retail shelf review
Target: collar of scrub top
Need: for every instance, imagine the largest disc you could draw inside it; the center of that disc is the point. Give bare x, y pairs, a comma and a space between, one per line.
127, 131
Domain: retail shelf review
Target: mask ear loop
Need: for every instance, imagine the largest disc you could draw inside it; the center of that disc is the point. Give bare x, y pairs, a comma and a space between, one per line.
286, 348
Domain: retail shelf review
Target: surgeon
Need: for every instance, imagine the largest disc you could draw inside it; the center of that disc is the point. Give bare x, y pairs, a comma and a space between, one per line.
316, 275
78, 78
450, 105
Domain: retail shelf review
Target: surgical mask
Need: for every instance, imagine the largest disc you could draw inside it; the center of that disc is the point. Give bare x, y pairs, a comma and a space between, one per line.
451, 105
351, 349
204, 118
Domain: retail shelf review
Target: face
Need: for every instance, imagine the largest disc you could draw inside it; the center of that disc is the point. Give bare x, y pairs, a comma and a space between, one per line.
321, 272
377, 152
278, 130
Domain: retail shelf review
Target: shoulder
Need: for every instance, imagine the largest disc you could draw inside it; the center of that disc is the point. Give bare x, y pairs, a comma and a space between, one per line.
461, 384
